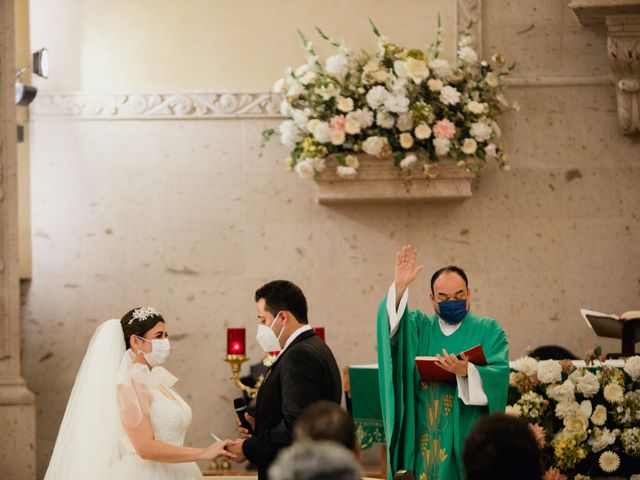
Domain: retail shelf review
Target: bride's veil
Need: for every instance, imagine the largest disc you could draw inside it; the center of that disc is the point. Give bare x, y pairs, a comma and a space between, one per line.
88, 442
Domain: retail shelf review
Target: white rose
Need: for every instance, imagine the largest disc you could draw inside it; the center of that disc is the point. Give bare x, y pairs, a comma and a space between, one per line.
328, 92
384, 119
469, 146
549, 371
305, 169
364, 117
401, 69
337, 64
352, 161
442, 146
381, 76
405, 122
408, 161
278, 87
491, 79
588, 384
345, 104
526, 365
373, 145
435, 85
406, 140
566, 408
599, 416
440, 67
465, 41
351, 126
377, 96
422, 131
563, 392
322, 133
346, 172
496, 129
337, 137
302, 69
613, 393
475, 107
481, 131
575, 425
632, 367
417, 70
468, 55
307, 78
397, 103
290, 134
313, 125
449, 95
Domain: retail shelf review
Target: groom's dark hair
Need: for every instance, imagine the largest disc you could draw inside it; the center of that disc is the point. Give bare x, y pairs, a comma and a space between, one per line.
282, 295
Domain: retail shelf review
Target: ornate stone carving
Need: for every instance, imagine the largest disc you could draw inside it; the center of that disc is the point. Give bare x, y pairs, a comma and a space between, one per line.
158, 105
622, 18
623, 47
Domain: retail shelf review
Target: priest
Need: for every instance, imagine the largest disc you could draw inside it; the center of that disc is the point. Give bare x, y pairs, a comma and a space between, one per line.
426, 423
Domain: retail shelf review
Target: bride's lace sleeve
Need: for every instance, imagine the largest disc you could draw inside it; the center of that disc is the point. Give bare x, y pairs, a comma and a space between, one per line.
134, 397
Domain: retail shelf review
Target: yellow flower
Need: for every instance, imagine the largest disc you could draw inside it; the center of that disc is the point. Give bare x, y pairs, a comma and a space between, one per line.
406, 140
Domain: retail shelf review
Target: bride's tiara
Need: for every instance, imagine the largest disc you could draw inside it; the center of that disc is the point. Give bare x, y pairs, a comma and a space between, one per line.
142, 313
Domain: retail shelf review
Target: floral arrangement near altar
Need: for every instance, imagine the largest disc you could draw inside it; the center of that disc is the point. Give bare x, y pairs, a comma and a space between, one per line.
406, 105
586, 420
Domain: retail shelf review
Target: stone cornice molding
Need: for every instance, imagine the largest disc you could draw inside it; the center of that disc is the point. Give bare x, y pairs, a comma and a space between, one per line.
622, 18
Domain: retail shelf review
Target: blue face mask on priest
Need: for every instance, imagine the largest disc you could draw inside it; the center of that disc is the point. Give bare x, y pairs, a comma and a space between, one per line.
450, 295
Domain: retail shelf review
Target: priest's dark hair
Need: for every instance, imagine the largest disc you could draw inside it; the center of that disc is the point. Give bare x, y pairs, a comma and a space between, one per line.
324, 420
501, 447
133, 326
447, 269
283, 295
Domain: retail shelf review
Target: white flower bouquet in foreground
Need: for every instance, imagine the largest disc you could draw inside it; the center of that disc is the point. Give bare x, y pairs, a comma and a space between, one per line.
405, 105
586, 420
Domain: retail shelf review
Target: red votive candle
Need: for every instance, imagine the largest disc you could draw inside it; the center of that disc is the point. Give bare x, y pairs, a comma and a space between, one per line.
236, 341
320, 332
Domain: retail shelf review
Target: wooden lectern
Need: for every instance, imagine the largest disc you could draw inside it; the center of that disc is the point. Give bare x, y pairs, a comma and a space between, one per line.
610, 326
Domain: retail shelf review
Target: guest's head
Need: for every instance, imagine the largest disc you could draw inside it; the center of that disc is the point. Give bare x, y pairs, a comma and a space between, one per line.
140, 326
282, 307
501, 447
320, 460
325, 420
450, 294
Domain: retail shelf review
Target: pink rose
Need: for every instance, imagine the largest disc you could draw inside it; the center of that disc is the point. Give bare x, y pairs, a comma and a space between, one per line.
444, 129
538, 433
554, 474
338, 123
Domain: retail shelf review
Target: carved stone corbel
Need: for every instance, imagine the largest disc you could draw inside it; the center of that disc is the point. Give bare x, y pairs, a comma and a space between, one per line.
622, 18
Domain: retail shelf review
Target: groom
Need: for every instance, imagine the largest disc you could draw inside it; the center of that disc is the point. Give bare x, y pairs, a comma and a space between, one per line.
304, 372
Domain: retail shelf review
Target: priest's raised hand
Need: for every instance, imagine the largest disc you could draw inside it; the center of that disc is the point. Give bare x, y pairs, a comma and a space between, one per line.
426, 423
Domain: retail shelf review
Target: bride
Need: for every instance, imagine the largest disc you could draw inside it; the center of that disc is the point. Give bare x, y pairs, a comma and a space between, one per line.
124, 420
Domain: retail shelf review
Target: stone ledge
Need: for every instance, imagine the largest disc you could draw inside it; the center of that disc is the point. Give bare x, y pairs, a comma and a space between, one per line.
595, 12
379, 180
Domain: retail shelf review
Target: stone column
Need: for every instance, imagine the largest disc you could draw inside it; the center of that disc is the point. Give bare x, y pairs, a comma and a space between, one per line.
17, 403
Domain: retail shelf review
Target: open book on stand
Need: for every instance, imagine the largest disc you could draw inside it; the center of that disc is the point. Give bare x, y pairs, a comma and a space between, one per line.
607, 324
430, 371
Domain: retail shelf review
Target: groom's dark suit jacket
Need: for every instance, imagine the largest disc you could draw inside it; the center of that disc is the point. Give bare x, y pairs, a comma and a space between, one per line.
305, 372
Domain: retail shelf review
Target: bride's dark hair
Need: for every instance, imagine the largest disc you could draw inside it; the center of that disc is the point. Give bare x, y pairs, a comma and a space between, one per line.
139, 326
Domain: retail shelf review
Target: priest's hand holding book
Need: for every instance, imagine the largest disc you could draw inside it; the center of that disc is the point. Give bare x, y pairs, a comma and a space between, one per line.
451, 363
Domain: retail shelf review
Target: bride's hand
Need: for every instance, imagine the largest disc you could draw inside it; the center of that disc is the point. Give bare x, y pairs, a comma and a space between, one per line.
216, 450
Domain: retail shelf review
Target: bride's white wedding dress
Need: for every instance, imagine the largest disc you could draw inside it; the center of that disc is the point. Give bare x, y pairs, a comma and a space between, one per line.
111, 390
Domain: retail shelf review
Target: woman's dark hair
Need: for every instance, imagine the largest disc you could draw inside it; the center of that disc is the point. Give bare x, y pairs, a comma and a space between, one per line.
447, 269
136, 326
282, 295
501, 447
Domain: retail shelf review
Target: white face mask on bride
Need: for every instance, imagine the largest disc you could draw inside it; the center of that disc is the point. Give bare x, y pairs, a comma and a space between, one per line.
160, 350
267, 338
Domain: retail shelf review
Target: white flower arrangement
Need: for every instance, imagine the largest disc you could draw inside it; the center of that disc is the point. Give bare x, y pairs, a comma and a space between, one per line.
399, 103
591, 415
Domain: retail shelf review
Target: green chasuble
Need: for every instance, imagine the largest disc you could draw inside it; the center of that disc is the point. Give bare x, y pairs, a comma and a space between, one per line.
426, 423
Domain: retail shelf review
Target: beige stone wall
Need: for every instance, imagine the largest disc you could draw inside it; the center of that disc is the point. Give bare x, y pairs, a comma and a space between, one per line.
184, 215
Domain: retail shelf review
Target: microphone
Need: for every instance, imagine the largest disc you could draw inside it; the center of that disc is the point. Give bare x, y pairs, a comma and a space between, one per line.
241, 408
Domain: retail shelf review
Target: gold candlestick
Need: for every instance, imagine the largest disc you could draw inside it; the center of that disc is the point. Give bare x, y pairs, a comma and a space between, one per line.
236, 362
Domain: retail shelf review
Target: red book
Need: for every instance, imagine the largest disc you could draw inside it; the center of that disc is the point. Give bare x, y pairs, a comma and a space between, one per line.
430, 371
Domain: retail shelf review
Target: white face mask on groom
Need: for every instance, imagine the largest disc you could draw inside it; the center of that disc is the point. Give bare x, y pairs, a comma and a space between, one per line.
266, 337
